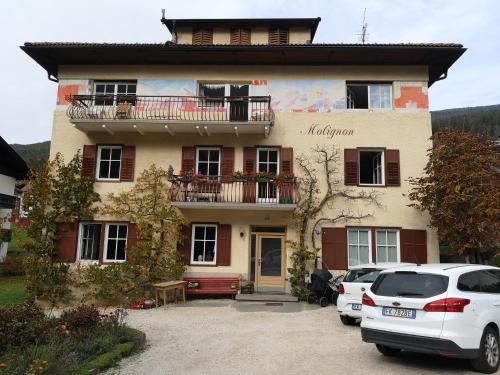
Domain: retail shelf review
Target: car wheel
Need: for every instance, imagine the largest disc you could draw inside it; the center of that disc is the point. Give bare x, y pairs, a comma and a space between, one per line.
489, 353
323, 302
347, 320
387, 351
311, 299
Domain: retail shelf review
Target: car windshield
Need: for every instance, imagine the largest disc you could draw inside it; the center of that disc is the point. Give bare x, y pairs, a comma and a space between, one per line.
414, 285
361, 276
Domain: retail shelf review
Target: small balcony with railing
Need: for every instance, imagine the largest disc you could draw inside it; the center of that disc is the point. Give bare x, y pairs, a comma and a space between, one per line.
171, 114
259, 192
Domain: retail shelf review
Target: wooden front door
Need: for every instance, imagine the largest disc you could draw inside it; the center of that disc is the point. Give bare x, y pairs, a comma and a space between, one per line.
271, 260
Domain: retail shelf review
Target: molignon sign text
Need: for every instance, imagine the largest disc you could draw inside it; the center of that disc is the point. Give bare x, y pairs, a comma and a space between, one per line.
327, 130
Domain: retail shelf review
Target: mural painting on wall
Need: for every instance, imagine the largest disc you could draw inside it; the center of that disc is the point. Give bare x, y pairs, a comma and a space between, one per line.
175, 88
411, 95
306, 95
71, 87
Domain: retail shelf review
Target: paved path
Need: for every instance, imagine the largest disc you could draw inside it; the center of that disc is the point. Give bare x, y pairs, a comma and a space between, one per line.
225, 337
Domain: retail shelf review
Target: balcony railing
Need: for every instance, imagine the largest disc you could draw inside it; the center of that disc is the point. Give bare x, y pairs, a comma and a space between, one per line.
226, 190
170, 108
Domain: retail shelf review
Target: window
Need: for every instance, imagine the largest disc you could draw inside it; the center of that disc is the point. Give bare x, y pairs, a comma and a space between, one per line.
267, 163
204, 247
278, 36
105, 92
240, 36
361, 276
387, 245
371, 167
212, 93
109, 163
469, 282
203, 36
490, 281
358, 241
88, 246
369, 96
116, 242
208, 161
414, 285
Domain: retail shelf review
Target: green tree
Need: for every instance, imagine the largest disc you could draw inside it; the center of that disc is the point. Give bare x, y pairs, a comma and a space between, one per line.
460, 190
57, 197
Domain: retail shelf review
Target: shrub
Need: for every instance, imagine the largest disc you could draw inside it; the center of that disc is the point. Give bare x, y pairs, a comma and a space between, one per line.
81, 318
496, 261
13, 265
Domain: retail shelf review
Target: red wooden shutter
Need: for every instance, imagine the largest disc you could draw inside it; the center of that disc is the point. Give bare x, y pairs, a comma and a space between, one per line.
188, 159
128, 163
334, 248
131, 239
227, 161
392, 173
89, 161
184, 243
249, 167
65, 242
224, 245
413, 246
350, 166
202, 36
286, 156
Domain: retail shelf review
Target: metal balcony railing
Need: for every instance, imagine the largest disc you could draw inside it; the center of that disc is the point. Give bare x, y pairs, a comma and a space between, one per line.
228, 189
170, 108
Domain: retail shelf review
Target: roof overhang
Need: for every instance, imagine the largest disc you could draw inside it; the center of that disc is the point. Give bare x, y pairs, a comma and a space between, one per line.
438, 57
11, 164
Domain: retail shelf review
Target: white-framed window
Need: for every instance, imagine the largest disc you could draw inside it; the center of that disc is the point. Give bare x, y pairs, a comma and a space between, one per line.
108, 163
371, 167
115, 242
267, 162
204, 244
369, 95
208, 161
88, 244
107, 91
359, 246
388, 248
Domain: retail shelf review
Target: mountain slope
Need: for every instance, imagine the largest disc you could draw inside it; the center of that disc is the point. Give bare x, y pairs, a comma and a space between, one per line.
33, 154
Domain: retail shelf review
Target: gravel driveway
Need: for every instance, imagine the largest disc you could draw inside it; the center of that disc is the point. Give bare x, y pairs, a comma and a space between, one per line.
226, 337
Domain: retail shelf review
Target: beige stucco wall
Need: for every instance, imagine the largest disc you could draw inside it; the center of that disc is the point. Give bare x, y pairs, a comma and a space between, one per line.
406, 130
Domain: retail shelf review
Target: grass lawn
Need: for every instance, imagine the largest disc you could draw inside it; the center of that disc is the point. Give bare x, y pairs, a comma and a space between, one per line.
12, 290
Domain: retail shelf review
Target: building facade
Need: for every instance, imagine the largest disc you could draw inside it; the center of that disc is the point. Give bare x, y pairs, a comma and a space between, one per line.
230, 104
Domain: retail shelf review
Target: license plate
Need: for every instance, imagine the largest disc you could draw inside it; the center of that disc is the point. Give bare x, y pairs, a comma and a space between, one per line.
399, 313
356, 306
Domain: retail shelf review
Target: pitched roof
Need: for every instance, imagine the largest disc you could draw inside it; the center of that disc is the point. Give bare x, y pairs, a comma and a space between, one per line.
11, 164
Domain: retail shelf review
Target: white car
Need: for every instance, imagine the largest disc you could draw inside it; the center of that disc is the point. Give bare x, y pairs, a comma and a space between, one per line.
358, 280
447, 309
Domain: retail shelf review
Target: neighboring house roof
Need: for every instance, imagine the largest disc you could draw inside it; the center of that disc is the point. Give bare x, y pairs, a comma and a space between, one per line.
439, 57
310, 23
11, 164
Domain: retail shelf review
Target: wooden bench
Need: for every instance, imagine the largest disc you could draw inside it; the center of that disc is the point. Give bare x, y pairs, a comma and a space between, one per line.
213, 286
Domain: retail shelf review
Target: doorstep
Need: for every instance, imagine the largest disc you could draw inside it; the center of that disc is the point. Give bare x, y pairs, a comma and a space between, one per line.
266, 297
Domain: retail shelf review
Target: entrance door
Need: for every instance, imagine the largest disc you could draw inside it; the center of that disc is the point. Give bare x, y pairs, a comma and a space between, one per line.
238, 103
270, 270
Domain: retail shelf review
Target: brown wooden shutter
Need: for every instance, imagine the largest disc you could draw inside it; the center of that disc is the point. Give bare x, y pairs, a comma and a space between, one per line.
227, 161
188, 159
249, 167
65, 242
286, 156
350, 166
278, 36
392, 173
334, 248
184, 243
203, 36
224, 245
240, 37
131, 240
128, 163
413, 246
89, 161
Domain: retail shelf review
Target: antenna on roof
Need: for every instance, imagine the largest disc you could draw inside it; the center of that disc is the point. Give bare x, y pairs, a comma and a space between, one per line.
163, 13
363, 36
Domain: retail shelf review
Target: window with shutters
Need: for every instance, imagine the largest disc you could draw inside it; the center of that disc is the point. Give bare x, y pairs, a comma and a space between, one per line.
267, 164
359, 246
115, 242
88, 244
112, 93
208, 161
371, 167
369, 96
240, 37
108, 163
203, 36
388, 249
278, 36
204, 244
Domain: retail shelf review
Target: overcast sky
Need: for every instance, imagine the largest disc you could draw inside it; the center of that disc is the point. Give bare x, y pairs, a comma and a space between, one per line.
28, 97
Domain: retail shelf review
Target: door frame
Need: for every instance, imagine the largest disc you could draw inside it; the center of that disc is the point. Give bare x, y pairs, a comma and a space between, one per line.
269, 281
267, 200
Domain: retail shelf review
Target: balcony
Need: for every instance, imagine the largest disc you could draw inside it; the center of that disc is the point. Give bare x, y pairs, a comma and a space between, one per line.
228, 192
171, 114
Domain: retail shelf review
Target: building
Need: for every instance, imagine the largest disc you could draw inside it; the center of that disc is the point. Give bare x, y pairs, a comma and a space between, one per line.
249, 95
12, 168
